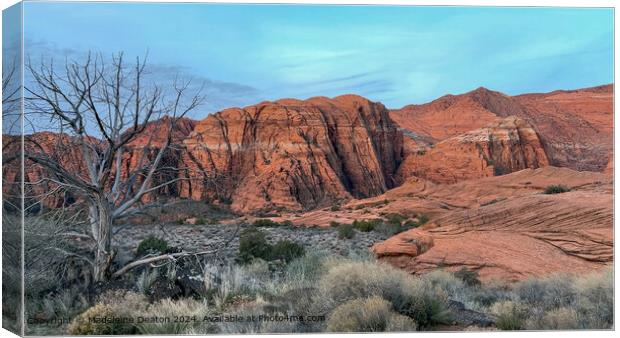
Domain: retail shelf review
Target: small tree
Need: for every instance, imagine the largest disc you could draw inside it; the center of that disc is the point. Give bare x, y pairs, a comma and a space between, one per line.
97, 109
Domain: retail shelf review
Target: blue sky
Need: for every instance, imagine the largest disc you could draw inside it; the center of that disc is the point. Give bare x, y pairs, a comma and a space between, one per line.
397, 55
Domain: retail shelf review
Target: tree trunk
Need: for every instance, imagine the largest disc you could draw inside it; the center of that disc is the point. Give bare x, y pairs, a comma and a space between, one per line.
100, 215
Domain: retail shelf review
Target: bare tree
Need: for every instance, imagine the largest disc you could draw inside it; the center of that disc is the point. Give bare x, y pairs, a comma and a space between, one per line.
97, 109
10, 89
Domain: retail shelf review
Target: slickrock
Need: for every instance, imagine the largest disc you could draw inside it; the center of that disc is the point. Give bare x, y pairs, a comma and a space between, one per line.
520, 232
508, 145
293, 154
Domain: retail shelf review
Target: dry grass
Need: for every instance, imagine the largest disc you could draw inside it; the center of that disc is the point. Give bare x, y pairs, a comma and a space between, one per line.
372, 314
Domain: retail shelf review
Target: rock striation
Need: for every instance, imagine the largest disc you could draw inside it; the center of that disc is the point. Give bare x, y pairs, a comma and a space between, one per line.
292, 154
508, 145
505, 227
574, 126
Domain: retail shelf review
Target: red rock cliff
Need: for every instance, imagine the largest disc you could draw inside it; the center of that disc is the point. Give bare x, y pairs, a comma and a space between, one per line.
293, 154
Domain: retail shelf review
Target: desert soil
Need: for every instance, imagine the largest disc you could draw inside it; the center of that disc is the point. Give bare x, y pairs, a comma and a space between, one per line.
214, 236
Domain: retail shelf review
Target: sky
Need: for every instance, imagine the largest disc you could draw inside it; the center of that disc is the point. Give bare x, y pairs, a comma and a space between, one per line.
397, 55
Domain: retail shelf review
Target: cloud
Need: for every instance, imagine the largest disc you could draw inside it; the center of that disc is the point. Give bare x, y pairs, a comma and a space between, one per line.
218, 94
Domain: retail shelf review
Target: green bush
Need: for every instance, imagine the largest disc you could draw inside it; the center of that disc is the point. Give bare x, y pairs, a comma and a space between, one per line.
265, 222
152, 244
408, 296
335, 207
346, 231
286, 250
287, 223
372, 314
391, 229
366, 225
334, 224
556, 189
468, 276
395, 219
510, 315
410, 224
252, 244
422, 219
200, 221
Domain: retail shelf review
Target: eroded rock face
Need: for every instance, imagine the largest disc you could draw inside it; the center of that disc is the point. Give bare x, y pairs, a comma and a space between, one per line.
508, 145
293, 154
574, 127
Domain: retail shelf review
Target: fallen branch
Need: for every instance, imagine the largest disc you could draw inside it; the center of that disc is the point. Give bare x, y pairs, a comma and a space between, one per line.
171, 257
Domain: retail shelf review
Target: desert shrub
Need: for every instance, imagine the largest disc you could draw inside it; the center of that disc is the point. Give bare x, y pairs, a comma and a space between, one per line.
409, 296
391, 229
468, 276
306, 268
372, 314
252, 244
346, 231
287, 223
183, 309
82, 325
335, 207
426, 309
595, 300
395, 219
563, 318
145, 280
546, 293
200, 221
410, 224
423, 219
286, 250
334, 224
265, 222
366, 225
556, 189
152, 244
510, 315
483, 297
120, 304
228, 283
446, 283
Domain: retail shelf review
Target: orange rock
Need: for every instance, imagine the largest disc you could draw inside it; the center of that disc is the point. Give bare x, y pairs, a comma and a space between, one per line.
293, 154
506, 228
575, 126
508, 145
410, 243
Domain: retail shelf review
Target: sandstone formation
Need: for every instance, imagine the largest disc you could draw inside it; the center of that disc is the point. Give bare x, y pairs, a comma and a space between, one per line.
293, 154
574, 127
303, 155
505, 228
507, 145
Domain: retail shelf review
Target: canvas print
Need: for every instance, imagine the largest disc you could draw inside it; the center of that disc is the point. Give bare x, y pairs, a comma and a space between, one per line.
175, 168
